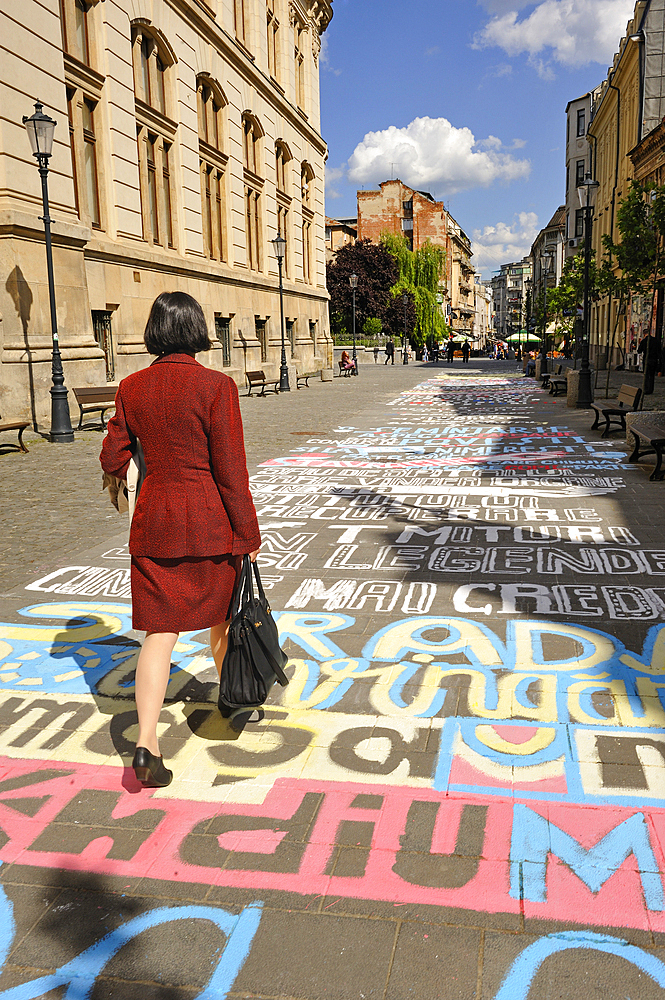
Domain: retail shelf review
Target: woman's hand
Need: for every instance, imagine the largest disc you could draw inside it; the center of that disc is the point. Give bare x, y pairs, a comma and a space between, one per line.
254, 554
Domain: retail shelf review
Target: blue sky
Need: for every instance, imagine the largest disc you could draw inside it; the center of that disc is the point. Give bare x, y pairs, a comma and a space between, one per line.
464, 99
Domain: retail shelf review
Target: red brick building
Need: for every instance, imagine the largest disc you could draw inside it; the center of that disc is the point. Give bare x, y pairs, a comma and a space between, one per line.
396, 208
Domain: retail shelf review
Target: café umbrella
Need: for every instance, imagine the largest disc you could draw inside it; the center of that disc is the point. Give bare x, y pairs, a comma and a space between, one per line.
524, 338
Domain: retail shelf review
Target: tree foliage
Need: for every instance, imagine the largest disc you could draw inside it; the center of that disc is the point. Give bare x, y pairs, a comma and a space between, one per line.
419, 274
641, 226
377, 273
372, 327
635, 263
564, 301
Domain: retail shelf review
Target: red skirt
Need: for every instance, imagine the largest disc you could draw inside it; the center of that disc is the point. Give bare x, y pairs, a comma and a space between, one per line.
182, 595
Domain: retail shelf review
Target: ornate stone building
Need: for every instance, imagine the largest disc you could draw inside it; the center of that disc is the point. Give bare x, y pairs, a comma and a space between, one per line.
188, 136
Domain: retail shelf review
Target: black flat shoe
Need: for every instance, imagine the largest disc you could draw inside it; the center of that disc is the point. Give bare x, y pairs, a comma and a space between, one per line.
150, 770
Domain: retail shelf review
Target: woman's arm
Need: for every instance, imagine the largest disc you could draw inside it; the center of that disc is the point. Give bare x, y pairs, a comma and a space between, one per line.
229, 468
119, 442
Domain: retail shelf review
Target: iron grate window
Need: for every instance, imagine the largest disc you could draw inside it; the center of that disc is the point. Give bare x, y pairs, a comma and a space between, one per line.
223, 334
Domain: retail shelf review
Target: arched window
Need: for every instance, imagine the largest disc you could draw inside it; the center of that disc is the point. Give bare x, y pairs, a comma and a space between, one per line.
213, 161
282, 158
306, 179
210, 103
151, 58
155, 133
252, 134
272, 38
299, 45
306, 193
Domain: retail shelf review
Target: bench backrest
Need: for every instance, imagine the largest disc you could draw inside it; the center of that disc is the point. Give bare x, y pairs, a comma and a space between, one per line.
255, 377
629, 395
95, 393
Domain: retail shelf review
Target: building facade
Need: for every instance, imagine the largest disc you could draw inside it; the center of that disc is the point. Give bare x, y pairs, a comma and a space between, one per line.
509, 292
548, 252
483, 310
627, 112
578, 164
188, 136
339, 233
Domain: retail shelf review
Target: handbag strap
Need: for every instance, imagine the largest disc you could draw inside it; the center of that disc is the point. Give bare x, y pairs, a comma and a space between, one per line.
257, 576
242, 583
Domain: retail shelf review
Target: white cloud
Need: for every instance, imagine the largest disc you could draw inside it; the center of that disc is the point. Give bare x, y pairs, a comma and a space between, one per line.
431, 152
333, 175
571, 32
504, 242
325, 58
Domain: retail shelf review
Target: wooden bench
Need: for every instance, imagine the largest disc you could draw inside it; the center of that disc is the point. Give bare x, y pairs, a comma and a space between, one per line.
545, 384
346, 372
558, 382
256, 379
305, 378
15, 425
652, 436
628, 401
95, 399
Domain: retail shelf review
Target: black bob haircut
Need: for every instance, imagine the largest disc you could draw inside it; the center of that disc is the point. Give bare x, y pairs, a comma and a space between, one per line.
176, 325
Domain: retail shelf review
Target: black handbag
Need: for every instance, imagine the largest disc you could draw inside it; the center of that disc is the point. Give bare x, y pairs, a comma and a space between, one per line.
254, 660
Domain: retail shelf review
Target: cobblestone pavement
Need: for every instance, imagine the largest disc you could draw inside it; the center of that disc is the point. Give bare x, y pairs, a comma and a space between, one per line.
460, 794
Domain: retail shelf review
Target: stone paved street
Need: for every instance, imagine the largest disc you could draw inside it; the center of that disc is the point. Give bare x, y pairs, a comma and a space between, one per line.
460, 794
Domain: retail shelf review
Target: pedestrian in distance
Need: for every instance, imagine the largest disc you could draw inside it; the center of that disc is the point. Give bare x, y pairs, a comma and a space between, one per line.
376, 354
194, 517
346, 362
450, 351
466, 351
425, 355
390, 353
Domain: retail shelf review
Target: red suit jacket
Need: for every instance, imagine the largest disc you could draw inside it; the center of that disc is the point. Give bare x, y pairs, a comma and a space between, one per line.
195, 498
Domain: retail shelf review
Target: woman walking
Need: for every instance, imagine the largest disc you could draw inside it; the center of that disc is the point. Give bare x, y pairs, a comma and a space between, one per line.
194, 515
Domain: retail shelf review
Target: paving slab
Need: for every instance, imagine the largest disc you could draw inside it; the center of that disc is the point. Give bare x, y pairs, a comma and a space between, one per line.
463, 784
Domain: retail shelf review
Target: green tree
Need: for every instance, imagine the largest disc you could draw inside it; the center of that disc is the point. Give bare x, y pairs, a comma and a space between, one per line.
377, 273
372, 326
419, 275
634, 264
564, 301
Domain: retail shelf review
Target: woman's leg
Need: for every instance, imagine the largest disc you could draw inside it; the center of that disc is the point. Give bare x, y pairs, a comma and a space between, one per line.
152, 677
219, 636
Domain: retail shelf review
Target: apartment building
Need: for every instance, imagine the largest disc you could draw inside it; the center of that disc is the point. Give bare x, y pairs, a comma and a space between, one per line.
188, 137
509, 291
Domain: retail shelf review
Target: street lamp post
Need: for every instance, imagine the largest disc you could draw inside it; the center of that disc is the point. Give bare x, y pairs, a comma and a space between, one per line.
546, 259
40, 129
279, 246
353, 281
405, 301
587, 195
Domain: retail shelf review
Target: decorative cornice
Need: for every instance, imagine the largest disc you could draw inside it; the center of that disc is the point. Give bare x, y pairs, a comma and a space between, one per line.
77, 74
146, 115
